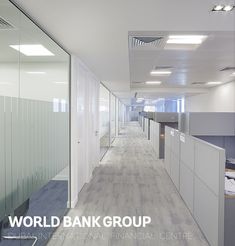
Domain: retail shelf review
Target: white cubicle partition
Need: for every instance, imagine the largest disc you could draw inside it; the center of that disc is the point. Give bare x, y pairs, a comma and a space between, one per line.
172, 155
175, 157
209, 190
207, 123
197, 170
146, 126
187, 170
165, 116
167, 159
141, 120
155, 136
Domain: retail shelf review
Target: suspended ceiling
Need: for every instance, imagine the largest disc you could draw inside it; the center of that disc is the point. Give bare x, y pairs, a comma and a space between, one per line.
98, 32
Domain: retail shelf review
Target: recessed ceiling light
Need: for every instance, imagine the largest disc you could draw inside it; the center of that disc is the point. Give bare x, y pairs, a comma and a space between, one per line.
32, 50
218, 8
160, 72
228, 8
36, 72
222, 8
153, 82
233, 74
214, 83
186, 39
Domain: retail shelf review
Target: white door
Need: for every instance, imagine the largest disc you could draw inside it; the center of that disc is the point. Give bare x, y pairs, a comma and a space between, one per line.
84, 124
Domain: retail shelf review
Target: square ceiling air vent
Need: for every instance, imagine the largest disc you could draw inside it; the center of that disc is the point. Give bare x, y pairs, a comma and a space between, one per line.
146, 42
5, 25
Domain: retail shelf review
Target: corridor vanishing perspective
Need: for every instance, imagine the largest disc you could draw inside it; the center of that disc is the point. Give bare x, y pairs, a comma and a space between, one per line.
131, 181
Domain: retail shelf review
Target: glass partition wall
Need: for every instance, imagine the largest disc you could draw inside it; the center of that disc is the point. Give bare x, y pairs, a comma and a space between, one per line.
121, 116
104, 120
112, 117
108, 119
34, 125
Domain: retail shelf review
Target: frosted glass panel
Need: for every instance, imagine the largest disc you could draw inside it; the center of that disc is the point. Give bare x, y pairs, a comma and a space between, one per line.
35, 147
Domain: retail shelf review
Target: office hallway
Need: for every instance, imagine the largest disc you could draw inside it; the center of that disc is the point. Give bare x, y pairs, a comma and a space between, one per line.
131, 182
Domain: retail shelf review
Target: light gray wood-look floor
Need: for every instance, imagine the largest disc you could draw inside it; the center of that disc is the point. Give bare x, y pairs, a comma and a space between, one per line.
131, 181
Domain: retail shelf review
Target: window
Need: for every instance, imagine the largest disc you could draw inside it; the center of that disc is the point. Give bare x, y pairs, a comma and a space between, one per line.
149, 108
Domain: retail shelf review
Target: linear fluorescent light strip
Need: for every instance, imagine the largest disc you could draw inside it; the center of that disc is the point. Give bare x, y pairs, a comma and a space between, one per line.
153, 82
186, 39
32, 50
214, 83
160, 72
60, 82
36, 72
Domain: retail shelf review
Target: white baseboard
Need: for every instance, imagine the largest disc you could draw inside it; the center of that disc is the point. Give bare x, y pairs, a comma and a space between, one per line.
73, 203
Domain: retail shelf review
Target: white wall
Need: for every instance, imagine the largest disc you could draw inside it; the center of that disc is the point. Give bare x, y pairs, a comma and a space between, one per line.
218, 99
84, 126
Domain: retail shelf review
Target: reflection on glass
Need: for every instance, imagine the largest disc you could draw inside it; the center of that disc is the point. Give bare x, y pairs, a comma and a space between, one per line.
9, 87
112, 117
104, 120
121, 116
34, 122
